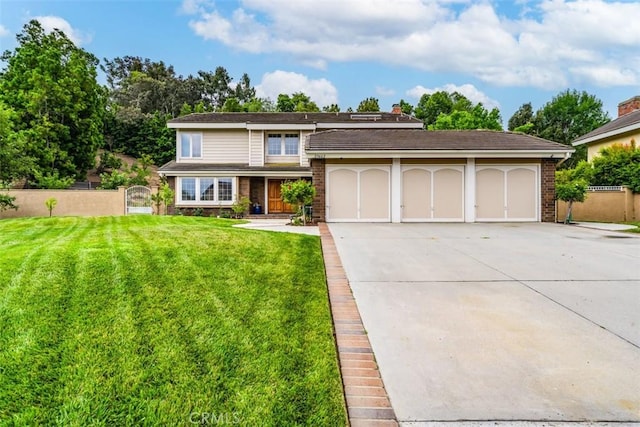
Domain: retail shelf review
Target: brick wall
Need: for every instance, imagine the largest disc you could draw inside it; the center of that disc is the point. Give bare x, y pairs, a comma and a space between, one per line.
629, 106
548, 190
318, 176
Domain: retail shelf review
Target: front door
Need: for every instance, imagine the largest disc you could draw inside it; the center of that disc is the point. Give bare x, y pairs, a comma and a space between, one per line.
276, 205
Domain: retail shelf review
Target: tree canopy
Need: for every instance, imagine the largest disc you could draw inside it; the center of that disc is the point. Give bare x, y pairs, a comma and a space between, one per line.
444, 110
50, 84
567, 116
368, 105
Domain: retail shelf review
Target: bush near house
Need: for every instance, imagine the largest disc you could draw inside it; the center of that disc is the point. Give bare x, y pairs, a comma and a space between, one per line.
163, 320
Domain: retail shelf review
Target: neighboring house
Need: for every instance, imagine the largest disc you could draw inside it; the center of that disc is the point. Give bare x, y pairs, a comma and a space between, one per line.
623, 130
223, 156
408, 175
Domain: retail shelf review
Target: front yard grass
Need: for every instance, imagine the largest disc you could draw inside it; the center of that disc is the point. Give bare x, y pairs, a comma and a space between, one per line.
146, 320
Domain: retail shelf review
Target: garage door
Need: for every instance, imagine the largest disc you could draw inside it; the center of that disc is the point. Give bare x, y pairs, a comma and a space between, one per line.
358, 193
432, 193
507, 193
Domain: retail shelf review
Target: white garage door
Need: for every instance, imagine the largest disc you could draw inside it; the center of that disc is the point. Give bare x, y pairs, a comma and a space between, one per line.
358, 193
507, 193
432, 193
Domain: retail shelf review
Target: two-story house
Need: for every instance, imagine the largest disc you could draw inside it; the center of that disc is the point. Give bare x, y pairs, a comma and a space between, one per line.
223, 156
365, 167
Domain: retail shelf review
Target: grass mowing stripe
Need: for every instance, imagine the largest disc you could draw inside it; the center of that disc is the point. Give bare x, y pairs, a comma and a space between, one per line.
33, 324
167, 317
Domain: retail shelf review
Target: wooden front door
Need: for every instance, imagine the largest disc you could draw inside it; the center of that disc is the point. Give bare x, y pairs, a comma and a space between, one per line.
276, 205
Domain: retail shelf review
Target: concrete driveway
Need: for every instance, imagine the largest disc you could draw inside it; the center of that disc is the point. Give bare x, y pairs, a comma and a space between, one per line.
500, 322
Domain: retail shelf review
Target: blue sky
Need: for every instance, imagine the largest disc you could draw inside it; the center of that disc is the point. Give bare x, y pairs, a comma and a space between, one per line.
501, 53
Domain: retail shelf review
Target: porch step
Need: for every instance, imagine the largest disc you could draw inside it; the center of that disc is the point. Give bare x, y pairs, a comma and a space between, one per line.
268, 216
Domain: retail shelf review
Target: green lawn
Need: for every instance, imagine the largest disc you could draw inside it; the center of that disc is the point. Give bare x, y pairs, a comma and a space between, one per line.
146, 320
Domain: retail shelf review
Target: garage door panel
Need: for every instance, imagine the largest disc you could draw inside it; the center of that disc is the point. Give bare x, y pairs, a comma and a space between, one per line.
416, 194
343, 185
448, 194
374, 194
489, 193
521, 194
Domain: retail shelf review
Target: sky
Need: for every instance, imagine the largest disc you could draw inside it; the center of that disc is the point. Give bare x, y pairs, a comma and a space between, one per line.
500, 53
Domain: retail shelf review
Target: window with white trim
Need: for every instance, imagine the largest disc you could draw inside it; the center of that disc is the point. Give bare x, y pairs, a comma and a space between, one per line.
283, 144
190, 145
209, 190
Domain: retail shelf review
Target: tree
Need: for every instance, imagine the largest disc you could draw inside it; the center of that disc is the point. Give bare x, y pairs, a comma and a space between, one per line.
51, 86
618, 165
299, 193
14, 164
405, 107
368, 105
51, 203
244, 92
571, 186
7, 202
522, 117
430, 106
477, 118
216, 87
567, 116
333, 108
285, 104
232, 105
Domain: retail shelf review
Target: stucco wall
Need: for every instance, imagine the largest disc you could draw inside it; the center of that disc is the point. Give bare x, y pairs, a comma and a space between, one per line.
70, 203
604, 206
593, 149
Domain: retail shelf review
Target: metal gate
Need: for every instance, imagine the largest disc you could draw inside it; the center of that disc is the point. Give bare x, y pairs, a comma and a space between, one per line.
138, 200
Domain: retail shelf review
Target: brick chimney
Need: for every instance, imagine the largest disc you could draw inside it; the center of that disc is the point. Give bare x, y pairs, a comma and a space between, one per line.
628, 106
395, 109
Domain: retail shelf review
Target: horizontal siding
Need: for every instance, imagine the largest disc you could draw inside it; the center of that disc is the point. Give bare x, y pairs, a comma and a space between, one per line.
256, 148
228, 146
304, 161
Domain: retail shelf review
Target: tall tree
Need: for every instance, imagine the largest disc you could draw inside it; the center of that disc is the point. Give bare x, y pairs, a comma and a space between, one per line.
368, 105
333, 108
51, 85
567, 116
521, 117
14, 164
244, 92
477, 118
216, 87
430, 106
298, 102
405, 107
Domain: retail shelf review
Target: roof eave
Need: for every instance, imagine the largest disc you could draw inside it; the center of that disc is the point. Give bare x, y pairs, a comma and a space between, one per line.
432, 154
606, 135
204, 125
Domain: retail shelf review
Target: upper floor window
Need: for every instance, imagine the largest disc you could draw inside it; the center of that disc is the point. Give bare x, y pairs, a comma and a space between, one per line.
283, 144
190, 145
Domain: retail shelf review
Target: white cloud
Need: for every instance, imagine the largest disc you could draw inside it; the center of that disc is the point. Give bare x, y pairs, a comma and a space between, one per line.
468, 90
383, 91
321, 91
3, 31
546, 44
50, 23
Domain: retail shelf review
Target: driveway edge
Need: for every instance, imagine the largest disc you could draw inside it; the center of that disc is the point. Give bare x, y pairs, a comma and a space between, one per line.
367, 400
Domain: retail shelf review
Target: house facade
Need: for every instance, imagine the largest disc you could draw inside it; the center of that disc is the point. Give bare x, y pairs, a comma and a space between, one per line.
624, 130
407, 175
221, 157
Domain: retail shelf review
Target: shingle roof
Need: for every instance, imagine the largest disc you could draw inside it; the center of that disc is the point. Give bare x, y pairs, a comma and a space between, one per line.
174, 166
410, 139
631, 119
294, 118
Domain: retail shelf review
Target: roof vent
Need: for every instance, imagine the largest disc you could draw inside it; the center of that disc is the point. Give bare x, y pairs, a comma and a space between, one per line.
369, 117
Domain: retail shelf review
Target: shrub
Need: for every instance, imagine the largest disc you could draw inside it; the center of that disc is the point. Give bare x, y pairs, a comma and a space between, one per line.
6, 202
618, 165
